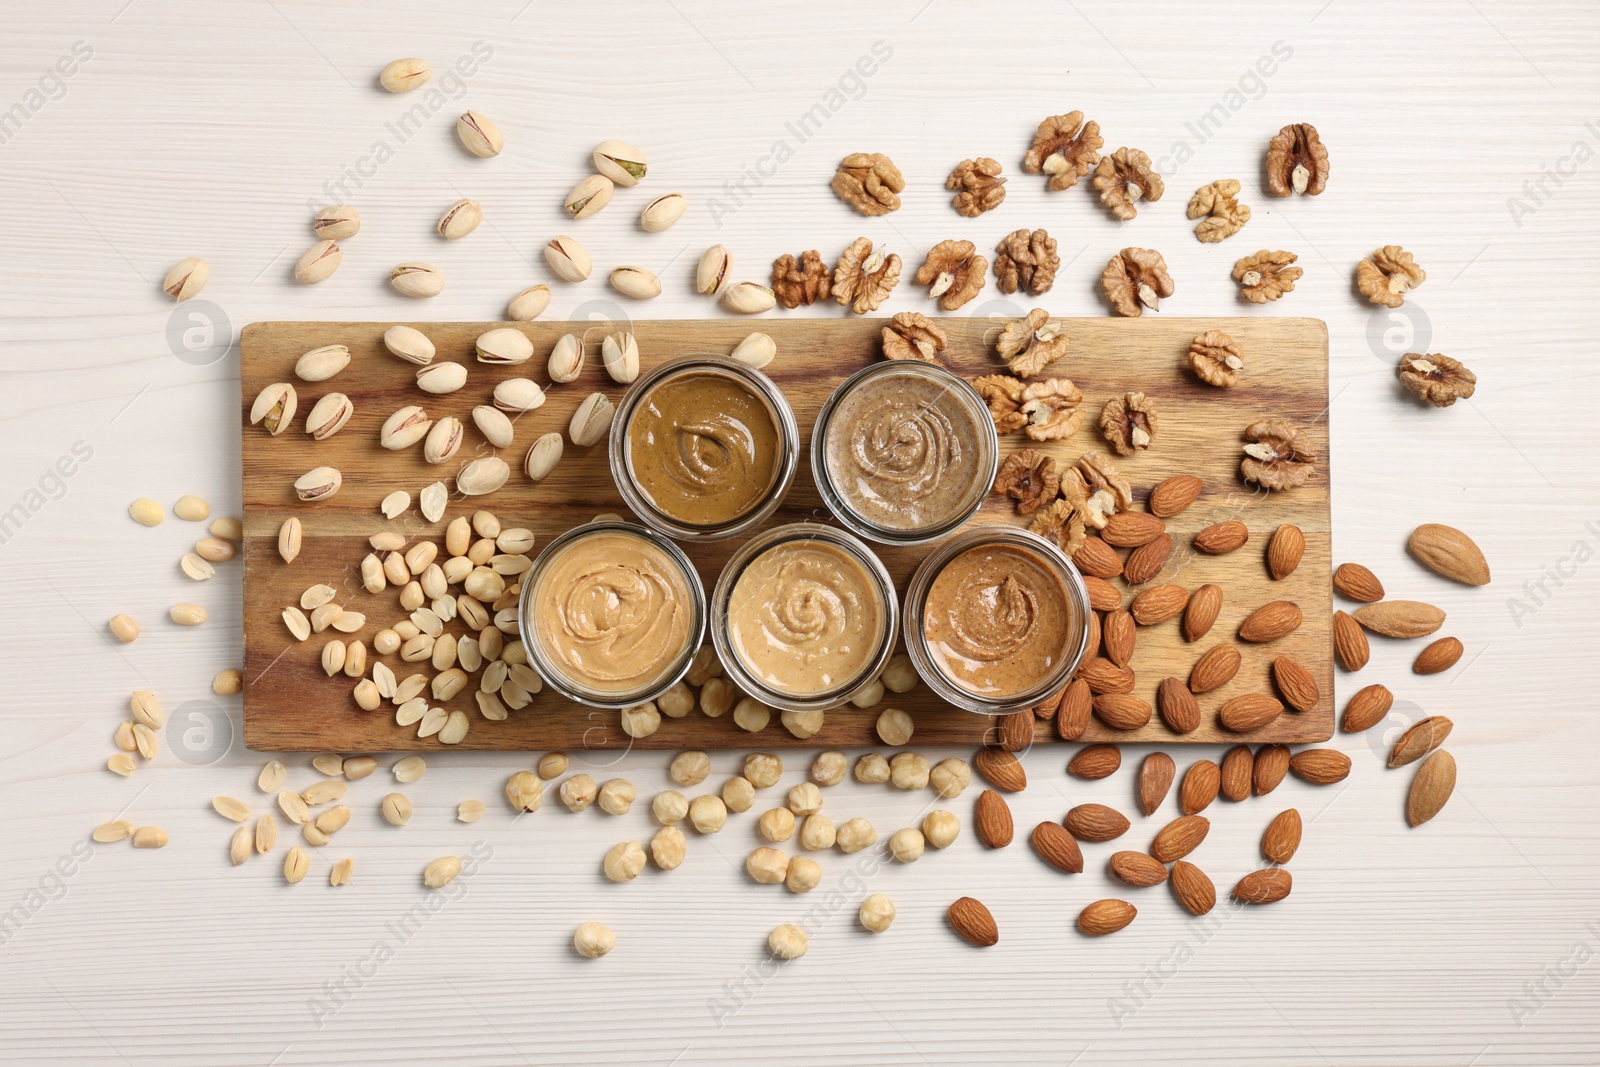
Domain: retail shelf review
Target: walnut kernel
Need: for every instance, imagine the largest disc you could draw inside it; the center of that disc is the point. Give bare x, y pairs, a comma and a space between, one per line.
1124, 178
1003, 394
1135, 279
1064, 147
804, 282
1439, 380
1030, 344
911, 335
1030, 478
1387, 275
981, 188
1026, 259
869, 182
1215, 359
1062, 523
954, 272
1102, 478
1278, 456
1052, 409
1218, 206
1129, 423
863, 278
1267, 275
1297, 161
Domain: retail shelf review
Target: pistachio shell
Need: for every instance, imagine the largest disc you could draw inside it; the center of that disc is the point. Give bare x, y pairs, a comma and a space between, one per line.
443, 440
319, 483
589, 196
518, 394
566, 359
543, 457
441, 377
274, 407
636, 282
336, 223
493, 424
405, 428
756, 350
328, 416
568, 259
479, 136
317, 263
409, 343
505, 345
482, 476
621, 162
188, 276
749, 298
528, 304
460, 219
660, 213
416, 280
712, 273
320, 364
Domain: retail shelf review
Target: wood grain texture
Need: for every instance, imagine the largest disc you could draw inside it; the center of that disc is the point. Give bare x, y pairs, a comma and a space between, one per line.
291, 705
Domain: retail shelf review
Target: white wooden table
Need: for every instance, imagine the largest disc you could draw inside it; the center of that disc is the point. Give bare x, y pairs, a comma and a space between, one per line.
1465, 131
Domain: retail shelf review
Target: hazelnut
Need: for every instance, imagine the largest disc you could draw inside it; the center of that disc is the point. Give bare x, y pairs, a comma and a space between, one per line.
908, 771
617, 796
872, 768
676, 702
578, 792
788, 942
895, 727
593, 940
641, 720
624, 861
751, 716
856, 835
804, 875
669, 807
524, 792
899, 676
667, 847
805, 799
817, 833
689, 768
708, 814
829, 768
802, 724
870, 695
716, 697
906, 844
776, 825
552, 765
766, 865
950, 777
762, 768
738, 794
940, 828
877, 912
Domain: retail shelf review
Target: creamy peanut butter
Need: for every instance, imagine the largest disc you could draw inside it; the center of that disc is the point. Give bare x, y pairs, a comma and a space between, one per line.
613, 611
806, 617
996, 620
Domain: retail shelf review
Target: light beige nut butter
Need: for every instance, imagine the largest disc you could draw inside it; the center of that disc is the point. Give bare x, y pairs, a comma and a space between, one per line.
703, 448
805, 617
613, 611
997, 620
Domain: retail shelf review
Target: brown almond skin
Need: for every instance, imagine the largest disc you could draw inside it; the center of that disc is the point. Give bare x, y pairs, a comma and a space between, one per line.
1179, 709
1194, 890
1299, 689
991, 817
1119, 634
1051, 705
1320, 766
1095, 822
1355, 582
1146, 561
1122, 711
1205, 604
1271, 765
1400, 618
1158, 604
1105, 917
1431, 788
1016, 732
1103, 596
1155, 781
1423, 737
1222, 538
1057, 847
1130, 529
1000, 769
1440, 656
1137, 869
1096, 557
1249, 711
1095, 762
1350, 642
1215, 667
1281, 838
1449, 553
1103, 676
1174, 495
1271, 622
1199, 788
1367, 709
973, 922
1238, 769
1284, 551
1179, 837
1072, 715
1266, 886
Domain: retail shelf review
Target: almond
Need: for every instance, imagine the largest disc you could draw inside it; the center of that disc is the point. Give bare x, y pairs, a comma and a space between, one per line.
1095, 762
1057, 847
1449, 553
1282, 837
1016, 732
1096, 557
1179, 837
1119, 634
1355, 582
1173, 495
1431, 788
1137, 869
1422, 738
1105, 917
1271, 764
1072, 717
1271, 621
1367, 709
1299, 689
1238, 765
1350, 642
1251, 711
1155, 780
1000, 769
1130, 529
1266, 886
1096, 822
1193, 888
1051, 705
1439, 656
1200, 784
1103, 676
1093, 641
1215, 668
1120, 711
1103, 596
1284, 550
1400, 618
1320, 766
1205, 604
991, 817
1179, 709
1221, 538
1146, 561
1158, 604
972, 922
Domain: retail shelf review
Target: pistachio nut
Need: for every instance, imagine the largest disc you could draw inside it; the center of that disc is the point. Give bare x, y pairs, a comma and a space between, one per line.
749, 298
479, 136
317, 263
518, 394
274, 407
416, 280
432, 501
482, 476
756, 351
504, 346
328, 416
543, 457
318, 483
460, 219
621, 162
712, 273
189, 276
336, 223
528, 304
660, 213
636, 282
493, 424
566, 359
404, 75
443, 440
409, 343
620, 352
568, 259
392, 506
289, 537
589, 196
405, 428
592, 420
320, 364
441, 378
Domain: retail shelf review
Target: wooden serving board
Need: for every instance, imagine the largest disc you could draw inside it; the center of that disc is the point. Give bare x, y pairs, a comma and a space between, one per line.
290, 705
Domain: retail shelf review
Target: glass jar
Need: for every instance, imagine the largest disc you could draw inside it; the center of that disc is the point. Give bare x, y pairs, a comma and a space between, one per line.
904, 452
611, 614
703, 448
804, 617
996, 620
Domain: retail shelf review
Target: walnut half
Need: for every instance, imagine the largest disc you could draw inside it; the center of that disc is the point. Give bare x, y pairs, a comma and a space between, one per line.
1218, 207
1277, 456
1064, 147
1267, 275
1124, 178
1215, 359
869, 182
1003, 394
1130, 423
1439, 380
978, 186
1135, 279
863, 278
1297, 161
804, 282
1030, 478
1387, 275
954, 272
1026, 259
1030, 344
1052, 408
910, 335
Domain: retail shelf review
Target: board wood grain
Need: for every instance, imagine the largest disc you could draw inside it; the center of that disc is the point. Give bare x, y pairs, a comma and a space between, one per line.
290, 705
